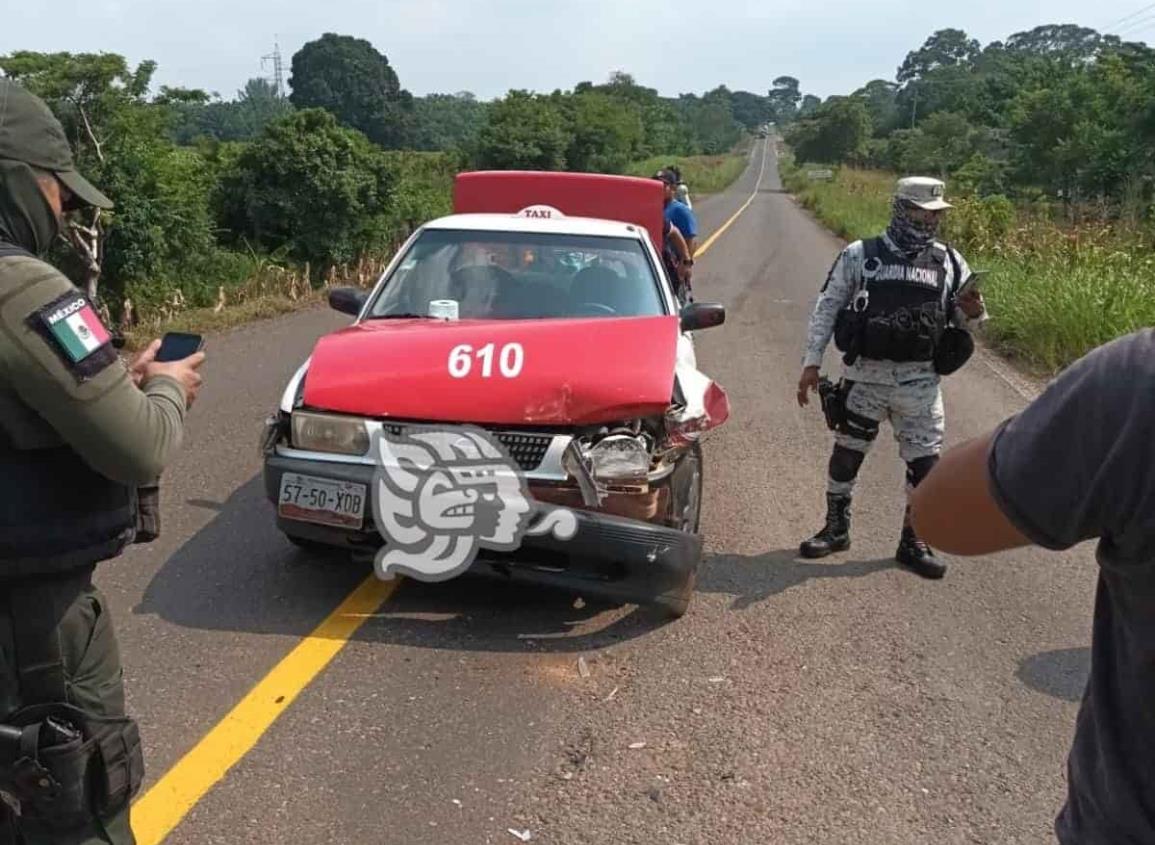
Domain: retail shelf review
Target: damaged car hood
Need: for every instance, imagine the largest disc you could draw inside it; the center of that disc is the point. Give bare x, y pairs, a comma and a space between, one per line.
512, 372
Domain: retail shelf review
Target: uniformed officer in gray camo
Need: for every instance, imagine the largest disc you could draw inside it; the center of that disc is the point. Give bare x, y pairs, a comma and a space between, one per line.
894, 307
81, 433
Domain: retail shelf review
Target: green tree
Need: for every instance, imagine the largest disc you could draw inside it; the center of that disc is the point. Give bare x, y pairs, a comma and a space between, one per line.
311, 185
523, 131
1072, 43
945, 48
751, 110
881, 99
784, 98
447, 121
666, 131
349, 78
606, 133
839, 131
242, 119
162, 226
809, 105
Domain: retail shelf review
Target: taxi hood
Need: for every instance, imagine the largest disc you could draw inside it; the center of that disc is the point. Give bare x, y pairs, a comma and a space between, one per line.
507, 372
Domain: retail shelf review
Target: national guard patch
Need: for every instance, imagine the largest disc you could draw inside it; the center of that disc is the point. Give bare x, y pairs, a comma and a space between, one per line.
75, 332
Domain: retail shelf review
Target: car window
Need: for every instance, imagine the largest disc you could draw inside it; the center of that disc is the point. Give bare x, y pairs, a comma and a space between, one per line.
518, 275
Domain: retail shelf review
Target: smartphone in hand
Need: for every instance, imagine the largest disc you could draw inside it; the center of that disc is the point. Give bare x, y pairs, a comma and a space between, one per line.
176, 346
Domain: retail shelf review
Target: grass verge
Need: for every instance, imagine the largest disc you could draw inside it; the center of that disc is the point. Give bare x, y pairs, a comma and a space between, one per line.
704, 175
1054, 291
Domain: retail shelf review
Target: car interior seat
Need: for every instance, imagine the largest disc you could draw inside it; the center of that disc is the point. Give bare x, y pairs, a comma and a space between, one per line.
603, 286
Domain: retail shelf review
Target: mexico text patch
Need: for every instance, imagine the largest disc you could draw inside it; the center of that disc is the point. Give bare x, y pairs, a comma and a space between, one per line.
72, 327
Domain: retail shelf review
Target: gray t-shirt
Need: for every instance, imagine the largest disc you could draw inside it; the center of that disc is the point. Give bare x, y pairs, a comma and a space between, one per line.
1078, 465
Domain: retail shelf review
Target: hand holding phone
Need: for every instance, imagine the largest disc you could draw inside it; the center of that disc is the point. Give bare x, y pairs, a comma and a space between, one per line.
176, 346
179, 356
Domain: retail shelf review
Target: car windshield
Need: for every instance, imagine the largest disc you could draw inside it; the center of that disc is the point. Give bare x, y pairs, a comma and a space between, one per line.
521, 275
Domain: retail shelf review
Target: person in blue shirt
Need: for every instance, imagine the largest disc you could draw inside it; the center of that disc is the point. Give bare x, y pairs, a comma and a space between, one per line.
677, 212
681, 219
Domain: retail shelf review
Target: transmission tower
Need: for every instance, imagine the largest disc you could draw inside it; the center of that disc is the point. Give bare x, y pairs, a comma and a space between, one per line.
278, 68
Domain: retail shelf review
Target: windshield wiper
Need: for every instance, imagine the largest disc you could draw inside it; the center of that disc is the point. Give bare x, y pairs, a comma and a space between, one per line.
402, 317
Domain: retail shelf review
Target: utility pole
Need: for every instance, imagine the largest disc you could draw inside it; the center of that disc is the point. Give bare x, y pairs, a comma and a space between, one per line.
278, 68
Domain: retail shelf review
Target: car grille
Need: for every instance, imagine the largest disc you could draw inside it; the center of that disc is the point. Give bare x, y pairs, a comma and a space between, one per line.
528, 450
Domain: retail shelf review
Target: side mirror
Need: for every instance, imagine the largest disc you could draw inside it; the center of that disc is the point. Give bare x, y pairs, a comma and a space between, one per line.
702, 315
348, 300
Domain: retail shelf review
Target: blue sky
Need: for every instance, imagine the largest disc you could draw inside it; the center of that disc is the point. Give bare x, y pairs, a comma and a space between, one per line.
489, 47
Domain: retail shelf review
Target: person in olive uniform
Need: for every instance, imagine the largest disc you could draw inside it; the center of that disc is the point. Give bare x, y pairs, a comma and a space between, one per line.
80, 433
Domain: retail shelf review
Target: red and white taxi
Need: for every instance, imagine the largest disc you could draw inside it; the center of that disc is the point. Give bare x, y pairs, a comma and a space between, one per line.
540, 312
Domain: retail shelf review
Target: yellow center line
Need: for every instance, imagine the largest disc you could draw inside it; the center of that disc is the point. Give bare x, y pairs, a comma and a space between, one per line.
701, 250
161, 808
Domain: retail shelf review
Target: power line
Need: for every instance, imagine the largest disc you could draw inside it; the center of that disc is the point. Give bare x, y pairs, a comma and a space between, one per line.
1126, 18
1136, 26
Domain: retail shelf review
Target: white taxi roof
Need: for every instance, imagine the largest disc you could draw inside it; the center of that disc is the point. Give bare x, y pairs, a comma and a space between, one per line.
520, 222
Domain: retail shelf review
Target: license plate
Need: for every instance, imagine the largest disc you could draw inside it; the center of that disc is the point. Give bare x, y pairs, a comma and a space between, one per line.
311, 499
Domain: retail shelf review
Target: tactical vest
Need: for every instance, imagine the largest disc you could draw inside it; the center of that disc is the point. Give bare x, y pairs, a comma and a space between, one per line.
897, 311
56, 512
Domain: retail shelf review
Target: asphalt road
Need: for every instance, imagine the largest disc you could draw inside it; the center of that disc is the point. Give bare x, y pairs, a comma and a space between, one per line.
844, 700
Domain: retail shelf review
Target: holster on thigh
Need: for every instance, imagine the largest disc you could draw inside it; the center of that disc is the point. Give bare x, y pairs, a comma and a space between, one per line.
64, 765
853, 424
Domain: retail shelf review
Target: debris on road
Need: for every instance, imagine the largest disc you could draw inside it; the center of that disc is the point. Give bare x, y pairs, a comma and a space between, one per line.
613, 692
583, 667
717, 680
524, 836
636, 745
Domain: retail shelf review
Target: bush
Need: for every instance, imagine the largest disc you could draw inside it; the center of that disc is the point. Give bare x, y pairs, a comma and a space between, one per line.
319, 189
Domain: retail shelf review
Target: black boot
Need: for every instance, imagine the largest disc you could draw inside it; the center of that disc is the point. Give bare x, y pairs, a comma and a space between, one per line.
835, 535
917, 555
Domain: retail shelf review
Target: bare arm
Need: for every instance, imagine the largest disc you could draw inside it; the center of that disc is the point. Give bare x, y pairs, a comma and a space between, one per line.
953, 510
1070, 467
679, 243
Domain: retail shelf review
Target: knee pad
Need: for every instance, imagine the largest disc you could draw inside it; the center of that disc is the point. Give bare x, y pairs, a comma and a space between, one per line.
920, 468
845, 463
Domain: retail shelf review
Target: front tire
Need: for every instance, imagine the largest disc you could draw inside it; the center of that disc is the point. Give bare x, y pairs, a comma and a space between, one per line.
686, 515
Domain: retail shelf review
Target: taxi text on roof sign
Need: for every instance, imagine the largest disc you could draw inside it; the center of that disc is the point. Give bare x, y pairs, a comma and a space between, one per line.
540, 212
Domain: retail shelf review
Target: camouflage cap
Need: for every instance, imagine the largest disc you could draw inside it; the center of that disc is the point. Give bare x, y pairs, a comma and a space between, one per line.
923, 192
30, 132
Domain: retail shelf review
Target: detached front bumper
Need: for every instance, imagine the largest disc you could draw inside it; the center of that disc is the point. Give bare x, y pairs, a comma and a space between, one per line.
610, 557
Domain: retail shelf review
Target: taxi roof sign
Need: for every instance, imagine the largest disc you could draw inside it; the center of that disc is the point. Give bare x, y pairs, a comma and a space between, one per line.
601, 196
540, 212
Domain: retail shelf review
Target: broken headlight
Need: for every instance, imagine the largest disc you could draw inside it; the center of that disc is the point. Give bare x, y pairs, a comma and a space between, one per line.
330, 433
620, 457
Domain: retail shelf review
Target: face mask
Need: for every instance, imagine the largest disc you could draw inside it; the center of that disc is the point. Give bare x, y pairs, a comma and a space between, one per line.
910, 235
26, 218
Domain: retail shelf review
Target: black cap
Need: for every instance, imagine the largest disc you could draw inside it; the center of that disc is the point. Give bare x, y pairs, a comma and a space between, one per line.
30, 132
667, 177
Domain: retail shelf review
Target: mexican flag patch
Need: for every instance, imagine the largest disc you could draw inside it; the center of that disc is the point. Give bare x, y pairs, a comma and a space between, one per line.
72, 328
77, 328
